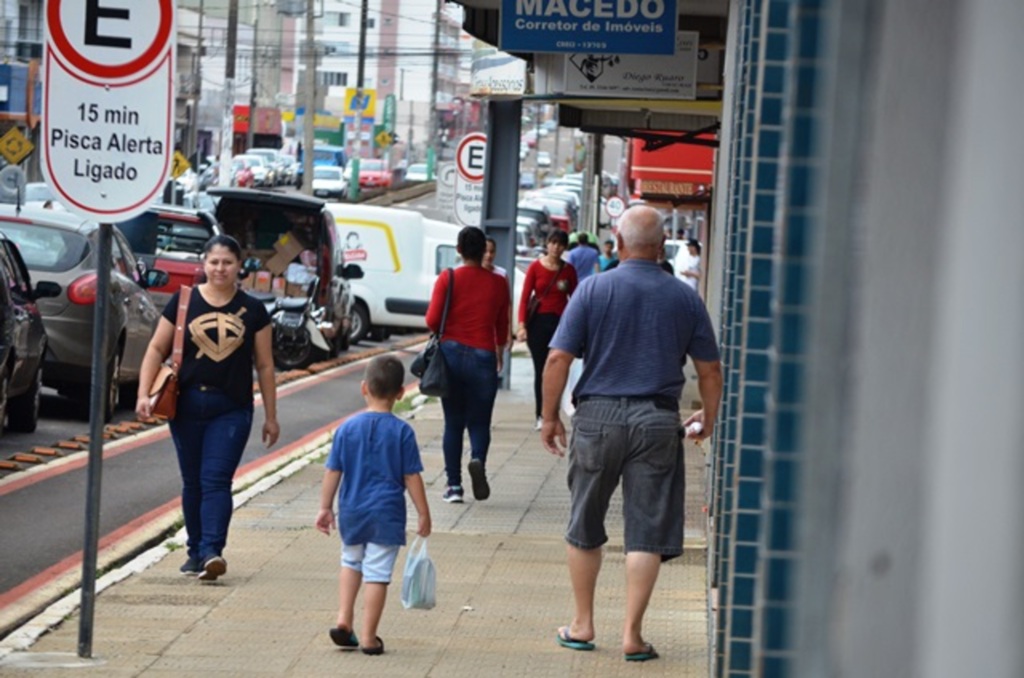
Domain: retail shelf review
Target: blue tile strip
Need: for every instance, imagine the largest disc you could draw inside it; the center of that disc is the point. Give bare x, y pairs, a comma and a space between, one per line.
787, 406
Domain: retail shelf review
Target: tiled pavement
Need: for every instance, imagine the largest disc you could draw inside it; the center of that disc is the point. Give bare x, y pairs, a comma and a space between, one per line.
502, 586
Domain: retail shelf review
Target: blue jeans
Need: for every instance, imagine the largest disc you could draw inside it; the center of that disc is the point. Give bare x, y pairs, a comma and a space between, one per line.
210, 431
473, 373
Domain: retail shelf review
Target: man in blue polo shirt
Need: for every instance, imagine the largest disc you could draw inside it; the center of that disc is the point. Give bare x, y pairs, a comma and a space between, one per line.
633, 327
584, 258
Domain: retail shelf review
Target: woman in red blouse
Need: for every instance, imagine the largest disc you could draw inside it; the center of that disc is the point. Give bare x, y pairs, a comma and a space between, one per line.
476, 330
550, 281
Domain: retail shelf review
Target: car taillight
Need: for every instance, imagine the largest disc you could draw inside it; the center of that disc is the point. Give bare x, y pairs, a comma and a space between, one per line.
83, 290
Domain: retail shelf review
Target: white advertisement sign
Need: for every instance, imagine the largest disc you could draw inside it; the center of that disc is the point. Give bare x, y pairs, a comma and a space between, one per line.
108, 101
625, 75
495, 73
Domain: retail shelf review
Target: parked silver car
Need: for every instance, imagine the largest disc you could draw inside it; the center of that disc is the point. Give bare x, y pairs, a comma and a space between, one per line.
60, 247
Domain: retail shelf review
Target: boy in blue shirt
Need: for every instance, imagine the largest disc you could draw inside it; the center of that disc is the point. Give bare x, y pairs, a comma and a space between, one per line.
375, 460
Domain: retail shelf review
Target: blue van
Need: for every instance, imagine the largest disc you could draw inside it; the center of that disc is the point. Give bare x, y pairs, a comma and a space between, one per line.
322, 155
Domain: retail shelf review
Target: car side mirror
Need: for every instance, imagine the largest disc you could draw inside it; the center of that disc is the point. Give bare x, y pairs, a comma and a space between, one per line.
154, 277
349, 271
45, 289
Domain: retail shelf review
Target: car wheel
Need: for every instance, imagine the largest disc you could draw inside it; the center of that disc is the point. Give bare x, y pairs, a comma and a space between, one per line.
342, 342
23, 410
113, 387
360, 323
5, 378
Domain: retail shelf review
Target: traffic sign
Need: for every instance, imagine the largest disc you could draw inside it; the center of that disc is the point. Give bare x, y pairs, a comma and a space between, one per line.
14, 146
615, 207
179, 165
384, 138
470, 155
108, 102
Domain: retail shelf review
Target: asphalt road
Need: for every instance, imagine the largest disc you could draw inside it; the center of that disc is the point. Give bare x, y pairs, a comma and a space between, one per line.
43, 522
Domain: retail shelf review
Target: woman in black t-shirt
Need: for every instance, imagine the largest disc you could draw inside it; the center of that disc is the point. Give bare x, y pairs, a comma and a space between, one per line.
226, 332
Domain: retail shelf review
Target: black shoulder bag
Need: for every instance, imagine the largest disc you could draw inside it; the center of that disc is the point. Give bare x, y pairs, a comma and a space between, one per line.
429, 365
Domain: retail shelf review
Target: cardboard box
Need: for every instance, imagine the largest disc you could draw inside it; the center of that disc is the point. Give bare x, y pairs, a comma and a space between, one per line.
248, 281
277, 286
263, 281
289, 246
278, 263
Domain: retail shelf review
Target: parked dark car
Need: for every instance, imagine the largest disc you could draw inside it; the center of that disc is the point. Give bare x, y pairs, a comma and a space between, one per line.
60, 247
22, 340
170, 239
258, 220
541, 216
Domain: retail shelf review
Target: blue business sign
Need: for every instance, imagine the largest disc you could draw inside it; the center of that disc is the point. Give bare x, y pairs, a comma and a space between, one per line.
590, 26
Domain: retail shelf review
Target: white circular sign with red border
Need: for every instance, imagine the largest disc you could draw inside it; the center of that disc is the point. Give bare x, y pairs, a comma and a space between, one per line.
615, 207
470, 155
108, 104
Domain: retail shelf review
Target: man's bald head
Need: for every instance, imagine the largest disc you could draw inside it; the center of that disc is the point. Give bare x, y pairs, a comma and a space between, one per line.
640, 233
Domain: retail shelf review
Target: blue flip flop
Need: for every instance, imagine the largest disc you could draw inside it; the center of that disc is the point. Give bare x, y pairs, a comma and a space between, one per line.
565, 640
644, 655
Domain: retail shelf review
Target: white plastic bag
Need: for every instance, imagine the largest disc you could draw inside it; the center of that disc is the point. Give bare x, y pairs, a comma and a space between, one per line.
575, 372
419, 579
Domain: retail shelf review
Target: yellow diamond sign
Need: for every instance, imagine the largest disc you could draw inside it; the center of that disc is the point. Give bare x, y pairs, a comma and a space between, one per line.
14, 146
384, 138
179, 165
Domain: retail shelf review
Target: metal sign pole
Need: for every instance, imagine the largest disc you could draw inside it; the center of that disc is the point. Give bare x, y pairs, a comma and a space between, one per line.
97, 413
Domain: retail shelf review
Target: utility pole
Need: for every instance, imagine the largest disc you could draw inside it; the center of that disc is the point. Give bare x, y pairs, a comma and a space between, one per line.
358, 104
310, 89
432, 140
251, 131
227, 129
197, 94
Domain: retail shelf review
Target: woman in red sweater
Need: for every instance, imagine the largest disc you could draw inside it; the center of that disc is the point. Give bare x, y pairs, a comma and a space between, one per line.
476, 330
550, 281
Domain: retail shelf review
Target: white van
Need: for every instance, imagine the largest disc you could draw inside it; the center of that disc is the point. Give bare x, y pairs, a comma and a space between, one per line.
401, 254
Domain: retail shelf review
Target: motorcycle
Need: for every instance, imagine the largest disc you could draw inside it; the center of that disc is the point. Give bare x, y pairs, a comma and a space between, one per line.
299, 330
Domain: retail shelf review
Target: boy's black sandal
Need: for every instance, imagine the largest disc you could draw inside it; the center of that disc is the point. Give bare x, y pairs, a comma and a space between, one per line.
344, 638
374, 650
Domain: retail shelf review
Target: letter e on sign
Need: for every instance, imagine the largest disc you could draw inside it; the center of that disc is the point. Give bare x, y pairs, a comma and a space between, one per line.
470, 156
108, 104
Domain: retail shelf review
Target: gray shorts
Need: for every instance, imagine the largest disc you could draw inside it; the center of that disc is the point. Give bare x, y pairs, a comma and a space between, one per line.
631, 439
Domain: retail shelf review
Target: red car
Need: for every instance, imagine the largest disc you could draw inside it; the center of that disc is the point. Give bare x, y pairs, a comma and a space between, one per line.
171, 239
373, 173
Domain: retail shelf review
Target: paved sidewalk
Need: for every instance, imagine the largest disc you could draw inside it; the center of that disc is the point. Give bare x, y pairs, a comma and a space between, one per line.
502, 586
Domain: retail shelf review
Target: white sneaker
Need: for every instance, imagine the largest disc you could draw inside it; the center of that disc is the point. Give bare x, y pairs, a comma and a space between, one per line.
539, 424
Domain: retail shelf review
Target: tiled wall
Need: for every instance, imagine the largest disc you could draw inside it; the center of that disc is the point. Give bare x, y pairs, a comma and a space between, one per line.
799, 221
763, 334
731, 314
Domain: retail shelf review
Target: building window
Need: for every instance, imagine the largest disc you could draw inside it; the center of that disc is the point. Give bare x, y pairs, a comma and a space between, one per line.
332, 78
336, 48
371, 22
337, 18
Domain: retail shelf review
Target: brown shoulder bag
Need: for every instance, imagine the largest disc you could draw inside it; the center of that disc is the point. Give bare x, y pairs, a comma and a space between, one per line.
164, 391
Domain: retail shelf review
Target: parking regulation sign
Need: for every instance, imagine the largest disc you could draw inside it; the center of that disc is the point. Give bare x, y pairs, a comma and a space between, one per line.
108, 103
469, 156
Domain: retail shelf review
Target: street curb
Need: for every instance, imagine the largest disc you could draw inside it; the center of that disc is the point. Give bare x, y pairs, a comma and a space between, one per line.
255, 483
